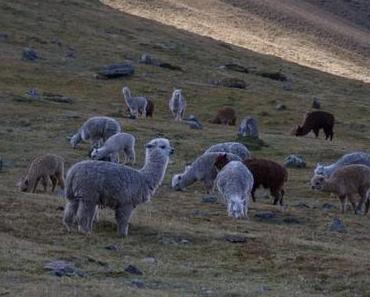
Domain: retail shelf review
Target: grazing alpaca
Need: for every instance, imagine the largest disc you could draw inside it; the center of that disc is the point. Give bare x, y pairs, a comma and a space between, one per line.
136, 105
41, 169
96, 183
315, 121
177, 105
266, 173
225, 116
346, 182
235, 148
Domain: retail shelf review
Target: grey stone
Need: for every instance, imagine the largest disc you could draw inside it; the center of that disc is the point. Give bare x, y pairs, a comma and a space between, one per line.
62, 268
265, 215
316, 103
231, 83
279, 76
281, 106
29, 54
193, 122
336, 225
133, 270
235, 238
115, 71
111, 247
138, 283
302, 205
33, 93
209, 199
294, 161
248, 128
3, 36
235, 67
149, 260
146, 59
328, 206
71, 53
291, 220
56, 98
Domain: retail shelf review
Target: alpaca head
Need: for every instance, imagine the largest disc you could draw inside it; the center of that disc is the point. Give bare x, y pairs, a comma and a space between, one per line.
159, 146
175, 183
236, 207
320, 169
95, 154
317, 182
23, 184
298, 131
126, 92
76, 139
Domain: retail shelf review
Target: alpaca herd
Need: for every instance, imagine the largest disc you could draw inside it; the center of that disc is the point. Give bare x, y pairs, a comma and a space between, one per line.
108, 180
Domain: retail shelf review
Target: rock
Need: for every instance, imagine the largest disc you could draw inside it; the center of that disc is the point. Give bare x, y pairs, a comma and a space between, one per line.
33, 93
57, 41
248, 128
316, 103
336, 225
291, 220
138, 283
115, 71
71, 115
62, 268
294, 161
209, 199
29, 54
56, 98
328, 206
149, 60
235, 238
71, 53
133, 270
274, 75
3, 36
265, 215
287, 86
281, 106
193, 122
174, 241
149, 260
170, 66
235, 67
146, 59
302, 205
111, 247
231, 83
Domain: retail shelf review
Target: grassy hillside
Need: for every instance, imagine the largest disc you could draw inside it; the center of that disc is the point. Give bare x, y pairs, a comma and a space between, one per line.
332, 36
184, 235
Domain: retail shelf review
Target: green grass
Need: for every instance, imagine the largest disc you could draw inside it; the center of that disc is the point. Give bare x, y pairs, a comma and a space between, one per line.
278, 259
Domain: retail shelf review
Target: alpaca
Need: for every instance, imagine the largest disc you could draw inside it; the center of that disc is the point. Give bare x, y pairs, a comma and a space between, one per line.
177, 105
315, 121
96, 183
235, 148
136, 105
225, 116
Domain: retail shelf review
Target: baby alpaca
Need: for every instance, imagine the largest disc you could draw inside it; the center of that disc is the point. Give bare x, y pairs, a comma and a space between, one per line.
345, 182
41, 169
96, 130
120, 143
136, 105
225, 116
202, 169
235, 183
95, 183
235, 148
177, 105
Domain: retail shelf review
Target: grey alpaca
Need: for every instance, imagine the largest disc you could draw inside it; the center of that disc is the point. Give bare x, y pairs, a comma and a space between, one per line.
235, 148
96, 183
96, 130
348, 159
116, 145
177, 105
235, 183
202, 169
248, 127
136, 105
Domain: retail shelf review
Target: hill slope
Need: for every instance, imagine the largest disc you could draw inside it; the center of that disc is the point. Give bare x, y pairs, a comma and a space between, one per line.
332, 36
294, 254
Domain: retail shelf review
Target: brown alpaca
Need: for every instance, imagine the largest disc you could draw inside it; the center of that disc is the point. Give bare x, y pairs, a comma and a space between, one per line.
315, 121
225, 116
41, 169
267, 173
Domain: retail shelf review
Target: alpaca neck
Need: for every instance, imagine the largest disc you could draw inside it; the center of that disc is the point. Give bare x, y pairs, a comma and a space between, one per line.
187, 178
305, 130
329, 187
154, 169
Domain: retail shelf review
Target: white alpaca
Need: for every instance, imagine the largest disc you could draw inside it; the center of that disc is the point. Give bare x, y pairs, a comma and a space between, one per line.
177, 105
136, 105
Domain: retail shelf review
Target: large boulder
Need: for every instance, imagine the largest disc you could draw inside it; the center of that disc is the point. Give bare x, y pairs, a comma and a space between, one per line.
115, 71
248, 128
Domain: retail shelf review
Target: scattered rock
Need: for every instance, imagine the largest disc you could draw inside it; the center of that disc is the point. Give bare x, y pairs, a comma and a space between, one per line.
274, 75
174, 241
71, 53
231, 83
33, 93
265, 215
29, 54
57, 41
170, 66
235, 238
138, 283
209, 199
115, 71
248, 128
93, 260
111, 247
316, 103
56, 98
302, 205
62, 268
133, 270
149, 260
336, 225
235, 67
149, 60
328, 206
193, 122
3, 36
146, 59
71, 115
294, 161
287, 86
291, 220
281, 106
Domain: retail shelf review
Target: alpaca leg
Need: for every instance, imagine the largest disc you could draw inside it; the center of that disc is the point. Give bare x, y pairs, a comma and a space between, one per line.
70, 211
316, 132
44, 182
54, 182
342, 199
367, 205
123, 215
282, 193
60, 179
363, 196
277, 196
353, 203
253, 194
35, 185
96, 214
85, 216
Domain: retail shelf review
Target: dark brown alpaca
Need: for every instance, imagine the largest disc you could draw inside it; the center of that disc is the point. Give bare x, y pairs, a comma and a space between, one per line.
225, 116
316, 120
267, 173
